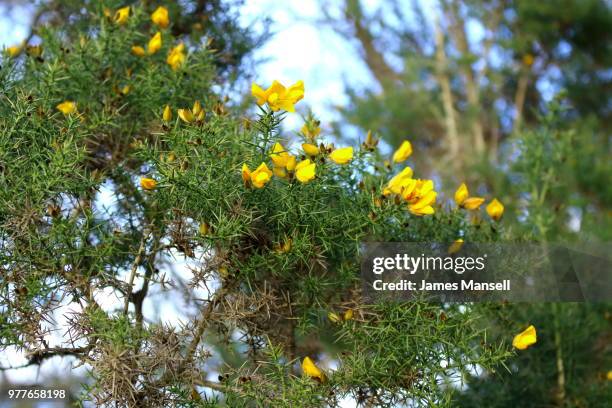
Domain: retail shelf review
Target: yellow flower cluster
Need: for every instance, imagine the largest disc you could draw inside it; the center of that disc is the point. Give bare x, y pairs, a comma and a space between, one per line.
195, 114
418, 193
284, 164
495, 209
176, 56
278, 97
14, 51
160, 17
336, 318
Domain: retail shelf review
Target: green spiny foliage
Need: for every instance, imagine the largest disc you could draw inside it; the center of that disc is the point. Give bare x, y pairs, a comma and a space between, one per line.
77, 223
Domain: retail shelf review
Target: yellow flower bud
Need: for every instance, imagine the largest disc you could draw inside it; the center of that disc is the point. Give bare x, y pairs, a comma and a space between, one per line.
167, 115
403, 152
197, 108
291, 163
333, 317
160, 17
186, 115
138, 51
122, 15
14, 51
155, 43
495, 209
455, 246
473, 203
461, 194
148, 183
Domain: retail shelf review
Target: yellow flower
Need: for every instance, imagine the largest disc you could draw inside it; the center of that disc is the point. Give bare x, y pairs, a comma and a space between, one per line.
310, 149
279, 155
257, 178
348, 315
155, 43
278, 97
160, 17
198, 111
176, 56
525, 339
67, 107
285, 246
398, 182
148, 183
461, 194
403, 152
463, 199
342, 155
279, 172
167, 115
261, 176
14, 51
473, 203
122, 15
420, 196
455, 246
125, 90
333, 317
311, 370
246, 175
34, 50
609, 375
186, 115
528, 60
204, 228
305, 171
197, 108
138, 51
495, 209
291, 163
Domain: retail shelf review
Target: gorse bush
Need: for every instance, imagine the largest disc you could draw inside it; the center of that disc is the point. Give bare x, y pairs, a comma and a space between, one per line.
117, 154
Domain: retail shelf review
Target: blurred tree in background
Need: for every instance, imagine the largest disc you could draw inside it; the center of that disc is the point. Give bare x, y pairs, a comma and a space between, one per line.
515, 97
459, 78
121, 156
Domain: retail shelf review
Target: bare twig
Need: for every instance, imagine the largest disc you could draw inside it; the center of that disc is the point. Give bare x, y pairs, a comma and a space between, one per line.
135, 265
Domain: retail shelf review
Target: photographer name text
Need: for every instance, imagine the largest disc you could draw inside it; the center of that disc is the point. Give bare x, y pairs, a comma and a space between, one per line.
463, 285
